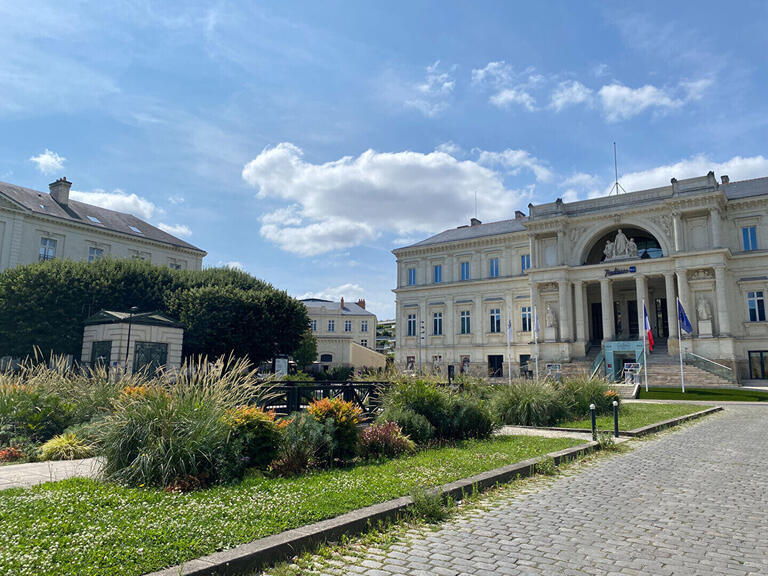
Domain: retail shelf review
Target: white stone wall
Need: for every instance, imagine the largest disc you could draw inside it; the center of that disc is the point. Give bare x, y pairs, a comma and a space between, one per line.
118, 335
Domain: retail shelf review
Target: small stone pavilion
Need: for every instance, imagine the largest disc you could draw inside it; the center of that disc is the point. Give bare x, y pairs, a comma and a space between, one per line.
155, 341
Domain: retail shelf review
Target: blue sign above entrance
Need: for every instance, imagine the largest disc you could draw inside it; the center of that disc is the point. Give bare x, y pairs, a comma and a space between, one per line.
616, 271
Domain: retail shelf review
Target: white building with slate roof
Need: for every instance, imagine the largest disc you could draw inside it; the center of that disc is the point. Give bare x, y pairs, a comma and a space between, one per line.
38, 226
586, 267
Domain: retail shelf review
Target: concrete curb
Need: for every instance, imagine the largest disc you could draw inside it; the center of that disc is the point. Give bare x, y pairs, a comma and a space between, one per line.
272, 549
650, 429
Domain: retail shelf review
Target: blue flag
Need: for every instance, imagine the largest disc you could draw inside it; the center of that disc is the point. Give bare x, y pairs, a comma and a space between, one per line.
685, 324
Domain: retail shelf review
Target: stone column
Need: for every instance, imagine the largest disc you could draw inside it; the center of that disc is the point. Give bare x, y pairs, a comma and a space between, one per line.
560, 247
714, 217
677, 227
581, 334
564, 289
534, 307
532, 251
723, 320
606, 297
685, 297
641, 288
669, 283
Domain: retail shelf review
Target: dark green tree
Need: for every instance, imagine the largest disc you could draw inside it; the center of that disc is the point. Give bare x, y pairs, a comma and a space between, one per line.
306, 353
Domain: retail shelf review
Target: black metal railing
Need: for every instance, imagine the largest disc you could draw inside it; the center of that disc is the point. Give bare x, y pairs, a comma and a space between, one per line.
289, 397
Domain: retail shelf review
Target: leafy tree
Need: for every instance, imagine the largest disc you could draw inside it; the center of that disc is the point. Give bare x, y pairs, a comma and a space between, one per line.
223, 310
306, 353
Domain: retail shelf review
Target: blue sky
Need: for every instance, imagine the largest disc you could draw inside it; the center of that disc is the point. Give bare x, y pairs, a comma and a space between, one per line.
304, 141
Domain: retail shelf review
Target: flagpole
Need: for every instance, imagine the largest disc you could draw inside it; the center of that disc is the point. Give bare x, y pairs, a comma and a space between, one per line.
680, 346
645, 358
536, 340
509, 349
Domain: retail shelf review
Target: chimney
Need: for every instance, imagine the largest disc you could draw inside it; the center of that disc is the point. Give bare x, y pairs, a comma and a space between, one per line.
60, 190
361, 303
342, 303
519, 214
474, 221
724, 178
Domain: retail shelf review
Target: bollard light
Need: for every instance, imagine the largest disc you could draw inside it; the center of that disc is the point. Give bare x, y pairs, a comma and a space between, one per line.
594, 421
616, 418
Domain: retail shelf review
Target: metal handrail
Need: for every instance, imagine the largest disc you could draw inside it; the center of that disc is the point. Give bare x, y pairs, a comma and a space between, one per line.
711, 361
596, 363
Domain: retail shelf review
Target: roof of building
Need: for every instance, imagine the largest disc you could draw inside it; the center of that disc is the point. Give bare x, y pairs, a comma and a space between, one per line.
350, 308
747, 188
89, 215
474, 231
146, 318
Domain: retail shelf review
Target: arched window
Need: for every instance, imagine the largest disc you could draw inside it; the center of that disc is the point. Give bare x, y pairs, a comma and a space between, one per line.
326, 357
647, 245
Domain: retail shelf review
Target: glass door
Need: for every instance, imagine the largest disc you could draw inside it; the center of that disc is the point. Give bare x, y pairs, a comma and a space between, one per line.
758, 364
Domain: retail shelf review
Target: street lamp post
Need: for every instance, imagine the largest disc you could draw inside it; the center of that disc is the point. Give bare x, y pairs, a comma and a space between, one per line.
132, 311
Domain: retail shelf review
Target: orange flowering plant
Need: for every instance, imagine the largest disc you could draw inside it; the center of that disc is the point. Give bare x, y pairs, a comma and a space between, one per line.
345, 418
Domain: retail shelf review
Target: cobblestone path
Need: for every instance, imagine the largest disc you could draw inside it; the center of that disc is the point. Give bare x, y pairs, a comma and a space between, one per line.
692, 501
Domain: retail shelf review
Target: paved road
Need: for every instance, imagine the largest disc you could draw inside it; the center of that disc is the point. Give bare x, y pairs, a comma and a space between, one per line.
16, 475
692, 501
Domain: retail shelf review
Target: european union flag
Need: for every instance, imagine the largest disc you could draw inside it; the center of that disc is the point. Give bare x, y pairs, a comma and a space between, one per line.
685, 324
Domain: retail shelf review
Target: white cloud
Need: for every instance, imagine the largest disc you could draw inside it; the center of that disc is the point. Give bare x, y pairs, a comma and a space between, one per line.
48, 162
180, 230
430, 97
513, 161
621, 102
580, 185
508, 96
570, 93
176, 199
695, 89
353, 200
119, 201
737, 168
495, 73
350, 292
599, 70
449, 147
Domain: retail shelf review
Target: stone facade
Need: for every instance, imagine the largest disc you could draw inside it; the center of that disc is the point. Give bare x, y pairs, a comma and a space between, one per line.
38, 226
586, 268
345, 333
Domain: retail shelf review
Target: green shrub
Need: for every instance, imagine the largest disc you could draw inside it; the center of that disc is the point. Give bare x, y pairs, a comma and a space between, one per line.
384, 440
430, 505
345, 417
65, 446
338, 374
471, 418
413, 425
428, 399
32, 412
526, 403
546, 466
258, 433
304, 443
578, 393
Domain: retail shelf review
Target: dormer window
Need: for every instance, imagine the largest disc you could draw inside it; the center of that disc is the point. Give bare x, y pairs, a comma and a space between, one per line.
94, 219
135, 229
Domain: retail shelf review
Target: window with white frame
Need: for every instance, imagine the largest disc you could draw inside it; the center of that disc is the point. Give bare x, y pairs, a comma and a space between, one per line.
47, 249
465, 270
347, 325
437, 273
493, 265
466, 322
95, 253
331, 325
437, 323
411, 276
364, 326
749, 238
411, 325
495, 320
756, 306
526, 318
525, 262
313, 325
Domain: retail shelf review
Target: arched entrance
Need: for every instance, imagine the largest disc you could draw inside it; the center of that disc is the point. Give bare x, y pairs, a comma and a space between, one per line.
635, 243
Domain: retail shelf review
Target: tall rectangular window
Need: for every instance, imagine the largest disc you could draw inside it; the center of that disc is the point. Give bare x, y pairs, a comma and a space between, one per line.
756, 305
525, 262
437, 273
47, 249
411, 276
95, 253
465, 270
493, 265
347, 325
364, 326
466, 327
331, 325
749, 237
437, 323
526, 317
495, 320
313, 324
411, 325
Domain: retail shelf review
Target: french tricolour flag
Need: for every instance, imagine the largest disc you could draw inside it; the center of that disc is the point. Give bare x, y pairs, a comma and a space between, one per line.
647, 328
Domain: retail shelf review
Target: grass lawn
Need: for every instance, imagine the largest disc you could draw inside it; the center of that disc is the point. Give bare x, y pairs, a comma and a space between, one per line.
81, 526
633, 416
709, 394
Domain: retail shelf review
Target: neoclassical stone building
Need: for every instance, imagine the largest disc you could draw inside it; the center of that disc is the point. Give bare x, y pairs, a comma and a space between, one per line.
586, 267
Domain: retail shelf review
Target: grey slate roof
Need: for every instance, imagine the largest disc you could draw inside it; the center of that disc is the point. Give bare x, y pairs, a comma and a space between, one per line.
146, 318
747, 188
477, 231
43, 203
350, 308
